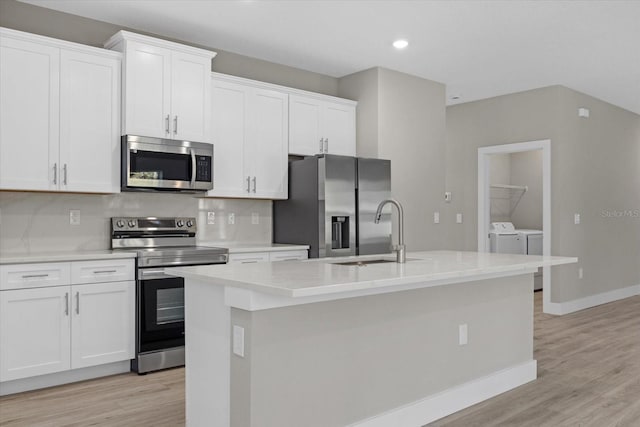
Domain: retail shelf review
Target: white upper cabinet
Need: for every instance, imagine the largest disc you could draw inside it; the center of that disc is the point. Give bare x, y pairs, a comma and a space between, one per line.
249, 128
59, 115
318, 126
165, 89
29, 114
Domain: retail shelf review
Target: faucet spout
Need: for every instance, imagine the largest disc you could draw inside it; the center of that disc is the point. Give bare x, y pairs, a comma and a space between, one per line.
400, 247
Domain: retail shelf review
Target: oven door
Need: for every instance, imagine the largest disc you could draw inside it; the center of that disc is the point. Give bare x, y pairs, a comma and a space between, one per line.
160, 316
159, 164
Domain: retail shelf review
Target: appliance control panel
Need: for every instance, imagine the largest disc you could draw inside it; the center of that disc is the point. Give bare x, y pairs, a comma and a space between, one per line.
151, 224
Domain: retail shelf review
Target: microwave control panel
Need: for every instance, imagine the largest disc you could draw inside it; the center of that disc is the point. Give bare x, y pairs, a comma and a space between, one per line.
203, 168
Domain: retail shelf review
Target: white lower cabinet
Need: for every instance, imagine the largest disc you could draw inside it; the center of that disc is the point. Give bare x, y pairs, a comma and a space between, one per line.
49, 329
34, 332
102, 323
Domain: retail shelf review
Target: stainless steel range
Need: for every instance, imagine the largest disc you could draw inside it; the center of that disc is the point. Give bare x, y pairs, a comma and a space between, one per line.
161, 243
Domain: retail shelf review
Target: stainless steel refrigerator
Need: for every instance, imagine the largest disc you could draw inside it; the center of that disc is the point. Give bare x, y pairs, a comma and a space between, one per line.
332, 205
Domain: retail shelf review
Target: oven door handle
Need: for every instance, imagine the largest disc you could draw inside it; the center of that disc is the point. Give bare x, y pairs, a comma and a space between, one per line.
193, 166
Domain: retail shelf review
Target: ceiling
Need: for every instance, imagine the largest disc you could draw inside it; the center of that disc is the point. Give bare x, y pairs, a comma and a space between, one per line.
479, 49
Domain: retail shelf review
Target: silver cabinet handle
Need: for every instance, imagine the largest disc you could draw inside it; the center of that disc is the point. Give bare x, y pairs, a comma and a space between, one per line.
249, 262
55, 173
77, 302
248, 184
193, 165
66, 304
31, 276
104, 271
64, 174
321, 145
175, 125
254, 184
326, 145
166, 128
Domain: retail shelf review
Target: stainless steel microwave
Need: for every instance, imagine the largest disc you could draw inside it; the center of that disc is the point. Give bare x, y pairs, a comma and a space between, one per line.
150, 164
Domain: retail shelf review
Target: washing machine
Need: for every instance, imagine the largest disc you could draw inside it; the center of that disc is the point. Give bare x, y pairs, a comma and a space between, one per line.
504, 239
531, 241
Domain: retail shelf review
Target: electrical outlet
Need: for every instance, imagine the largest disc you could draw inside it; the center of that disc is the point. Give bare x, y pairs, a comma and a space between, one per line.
74, 217
436, 217
576, 219
458, 218
463, 334
211, 217
238, 340
255, 218
231, 219
580, 273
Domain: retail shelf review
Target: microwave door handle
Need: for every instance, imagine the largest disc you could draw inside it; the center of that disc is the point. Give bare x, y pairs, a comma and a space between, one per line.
193, 168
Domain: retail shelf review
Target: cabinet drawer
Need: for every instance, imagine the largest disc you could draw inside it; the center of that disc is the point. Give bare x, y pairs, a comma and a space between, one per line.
23, 276
249, 258
288, 255
116, 270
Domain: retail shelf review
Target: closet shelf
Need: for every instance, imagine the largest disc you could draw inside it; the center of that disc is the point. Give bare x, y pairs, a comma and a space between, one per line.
523, 188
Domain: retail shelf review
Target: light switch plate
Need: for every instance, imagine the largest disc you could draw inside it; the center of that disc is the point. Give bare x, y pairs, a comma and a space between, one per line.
211, 217
238, 340
436, 217
576, 219
231, 219
458, 218
74, 217
255, 218
463, 334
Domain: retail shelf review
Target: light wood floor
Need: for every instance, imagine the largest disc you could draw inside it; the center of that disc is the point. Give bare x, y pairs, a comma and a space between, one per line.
588, 375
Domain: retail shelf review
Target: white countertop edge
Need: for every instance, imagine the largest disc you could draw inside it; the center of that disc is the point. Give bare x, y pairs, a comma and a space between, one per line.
251, 300
240, 248
340, 288
63, 256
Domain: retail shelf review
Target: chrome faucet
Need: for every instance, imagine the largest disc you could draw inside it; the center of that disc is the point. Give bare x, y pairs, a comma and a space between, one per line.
399, 248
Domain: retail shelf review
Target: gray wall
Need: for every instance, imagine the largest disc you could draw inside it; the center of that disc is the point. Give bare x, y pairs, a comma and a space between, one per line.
595, 169
526, 169
60, 25
404, 119
338, 362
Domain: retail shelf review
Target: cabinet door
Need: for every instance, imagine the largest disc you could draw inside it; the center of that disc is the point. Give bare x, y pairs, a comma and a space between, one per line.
147, 90
248, 258
29, 115
190, 100
228, 117
102, 328
339, 129
89, 122
266, 145
34, 332
304, 126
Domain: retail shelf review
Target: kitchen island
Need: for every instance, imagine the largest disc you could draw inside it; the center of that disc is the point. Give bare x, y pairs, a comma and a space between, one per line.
335, 342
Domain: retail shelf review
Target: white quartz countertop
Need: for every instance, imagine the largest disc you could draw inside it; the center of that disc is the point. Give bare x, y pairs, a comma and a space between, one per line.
323, 276
32, 257
239, 248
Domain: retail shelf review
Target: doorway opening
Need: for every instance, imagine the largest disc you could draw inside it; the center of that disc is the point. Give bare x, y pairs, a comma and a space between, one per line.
508, 197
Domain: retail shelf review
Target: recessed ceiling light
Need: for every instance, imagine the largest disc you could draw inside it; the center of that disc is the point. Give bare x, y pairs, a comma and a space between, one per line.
400, 44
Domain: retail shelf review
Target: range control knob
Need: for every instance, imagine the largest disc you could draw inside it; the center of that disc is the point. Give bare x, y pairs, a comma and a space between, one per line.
132, 223
119, 223
189, 223
180, 223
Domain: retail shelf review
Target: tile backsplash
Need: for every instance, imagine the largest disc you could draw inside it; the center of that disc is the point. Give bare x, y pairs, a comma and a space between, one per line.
39, 222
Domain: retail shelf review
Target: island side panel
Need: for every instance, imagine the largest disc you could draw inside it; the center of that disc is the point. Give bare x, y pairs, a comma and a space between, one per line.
207, 355
338, 362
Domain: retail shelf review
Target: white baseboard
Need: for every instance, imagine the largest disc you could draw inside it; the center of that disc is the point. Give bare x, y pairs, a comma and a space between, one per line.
561, 308
454, 399
65, 377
